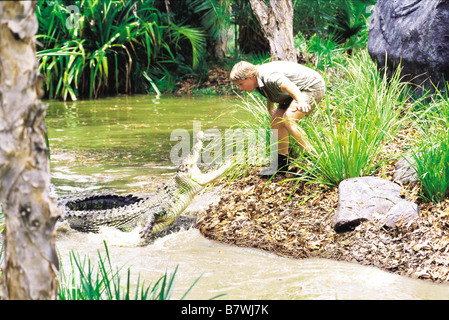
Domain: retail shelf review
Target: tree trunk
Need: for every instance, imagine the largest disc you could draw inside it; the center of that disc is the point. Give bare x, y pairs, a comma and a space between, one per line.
276, 21
31, 261
221, 44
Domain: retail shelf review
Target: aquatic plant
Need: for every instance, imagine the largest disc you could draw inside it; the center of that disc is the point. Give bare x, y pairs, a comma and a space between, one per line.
104, 282
255, 128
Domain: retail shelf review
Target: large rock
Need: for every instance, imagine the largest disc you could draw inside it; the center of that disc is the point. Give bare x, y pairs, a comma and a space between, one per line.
414, 33
368, 198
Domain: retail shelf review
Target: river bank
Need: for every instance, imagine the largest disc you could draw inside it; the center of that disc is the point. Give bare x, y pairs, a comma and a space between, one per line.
296, 221
268, 215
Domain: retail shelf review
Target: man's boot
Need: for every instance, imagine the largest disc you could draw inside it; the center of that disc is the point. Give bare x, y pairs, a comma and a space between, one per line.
280, 169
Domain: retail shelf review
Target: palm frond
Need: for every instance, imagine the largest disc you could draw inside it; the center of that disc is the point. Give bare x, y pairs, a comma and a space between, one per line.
215, 15
196, 38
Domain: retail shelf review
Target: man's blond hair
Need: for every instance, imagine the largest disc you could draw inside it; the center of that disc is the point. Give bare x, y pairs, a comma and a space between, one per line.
242, 71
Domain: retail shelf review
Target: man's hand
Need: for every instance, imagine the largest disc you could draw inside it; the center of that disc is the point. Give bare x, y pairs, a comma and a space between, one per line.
300, 107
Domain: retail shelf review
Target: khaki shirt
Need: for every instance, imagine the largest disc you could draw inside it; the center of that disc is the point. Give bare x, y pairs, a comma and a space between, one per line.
272, 74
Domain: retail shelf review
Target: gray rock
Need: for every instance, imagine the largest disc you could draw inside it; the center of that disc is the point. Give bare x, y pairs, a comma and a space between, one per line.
413, 33
405, 170
401, 213
366, 198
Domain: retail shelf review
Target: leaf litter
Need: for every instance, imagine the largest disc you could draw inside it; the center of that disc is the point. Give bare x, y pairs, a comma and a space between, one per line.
267, 215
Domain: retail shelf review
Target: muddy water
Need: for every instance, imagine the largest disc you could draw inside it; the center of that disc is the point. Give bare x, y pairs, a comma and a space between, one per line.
122, 145
243, 273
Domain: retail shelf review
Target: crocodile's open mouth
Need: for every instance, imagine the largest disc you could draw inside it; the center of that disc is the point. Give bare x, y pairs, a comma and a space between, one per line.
102, 202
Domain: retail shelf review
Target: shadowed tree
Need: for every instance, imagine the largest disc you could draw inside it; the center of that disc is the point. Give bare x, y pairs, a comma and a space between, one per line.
31, 261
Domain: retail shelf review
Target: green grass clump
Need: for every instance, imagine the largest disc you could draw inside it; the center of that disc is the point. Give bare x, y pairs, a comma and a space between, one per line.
362, 112
431, 149
85, 282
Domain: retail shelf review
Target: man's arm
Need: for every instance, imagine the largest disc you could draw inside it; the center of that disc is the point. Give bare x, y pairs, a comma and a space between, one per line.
294, 92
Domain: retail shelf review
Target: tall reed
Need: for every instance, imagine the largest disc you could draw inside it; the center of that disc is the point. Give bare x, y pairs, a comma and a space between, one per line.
431, 149
361, 113
104, 282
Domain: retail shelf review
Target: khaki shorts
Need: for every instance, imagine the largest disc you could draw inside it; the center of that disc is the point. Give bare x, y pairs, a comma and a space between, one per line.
312, 98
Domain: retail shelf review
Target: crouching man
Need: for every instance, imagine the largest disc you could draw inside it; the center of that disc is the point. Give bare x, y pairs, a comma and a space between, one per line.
296, 89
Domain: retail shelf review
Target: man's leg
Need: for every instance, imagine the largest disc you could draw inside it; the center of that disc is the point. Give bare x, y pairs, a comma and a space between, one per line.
285, 121
294, 113
291, 116
278, 123
282, 143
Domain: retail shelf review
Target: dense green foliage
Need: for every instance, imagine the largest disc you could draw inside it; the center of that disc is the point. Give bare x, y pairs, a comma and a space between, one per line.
111, 47
93, 48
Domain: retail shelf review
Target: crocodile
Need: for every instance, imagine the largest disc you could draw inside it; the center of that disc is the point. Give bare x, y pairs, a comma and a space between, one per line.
87, 213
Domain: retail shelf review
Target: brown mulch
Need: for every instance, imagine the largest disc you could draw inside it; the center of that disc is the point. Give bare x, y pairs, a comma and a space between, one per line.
295, 220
